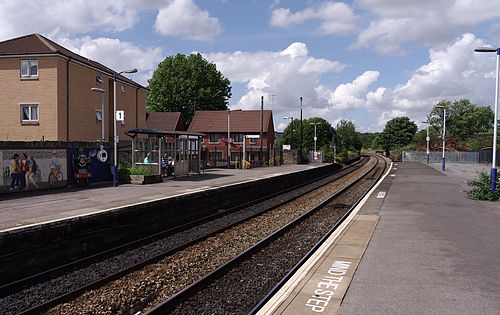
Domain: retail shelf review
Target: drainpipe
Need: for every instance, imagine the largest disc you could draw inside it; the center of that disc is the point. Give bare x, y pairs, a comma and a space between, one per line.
67, 99
136, 107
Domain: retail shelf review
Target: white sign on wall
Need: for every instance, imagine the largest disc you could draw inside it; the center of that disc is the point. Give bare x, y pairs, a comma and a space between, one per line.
252, 136
120, 115
286, 147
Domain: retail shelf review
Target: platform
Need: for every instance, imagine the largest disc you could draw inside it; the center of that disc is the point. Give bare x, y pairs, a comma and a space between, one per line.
31, 208
416, 245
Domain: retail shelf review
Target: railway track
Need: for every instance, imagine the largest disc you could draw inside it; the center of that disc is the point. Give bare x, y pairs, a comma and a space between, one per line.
244, 283
50, 300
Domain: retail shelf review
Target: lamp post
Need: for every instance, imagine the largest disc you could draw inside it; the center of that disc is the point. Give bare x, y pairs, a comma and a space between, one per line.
493, 174
291, 125
315, 138
115, 138
102, 111
301, 129
229, 137
444, 131
428, 139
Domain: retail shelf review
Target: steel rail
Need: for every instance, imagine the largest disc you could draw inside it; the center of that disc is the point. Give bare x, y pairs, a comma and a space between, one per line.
187, 292
75, 293
295, 268
14, 286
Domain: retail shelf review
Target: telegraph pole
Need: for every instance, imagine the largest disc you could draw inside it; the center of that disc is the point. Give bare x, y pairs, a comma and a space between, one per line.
261, 127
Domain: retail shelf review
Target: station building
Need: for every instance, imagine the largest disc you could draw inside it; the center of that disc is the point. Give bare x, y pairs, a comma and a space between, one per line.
46, 94
170, 121
214, 124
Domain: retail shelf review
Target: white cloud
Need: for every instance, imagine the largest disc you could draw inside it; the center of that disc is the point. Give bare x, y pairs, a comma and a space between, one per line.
58, 18
388, 115
290, 73
350, 95
183, 18
426, 22
117, 55
453, 72
335, 17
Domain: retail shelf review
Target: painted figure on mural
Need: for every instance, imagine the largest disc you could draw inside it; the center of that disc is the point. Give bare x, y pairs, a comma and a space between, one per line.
30, 174
23, 168
14, 172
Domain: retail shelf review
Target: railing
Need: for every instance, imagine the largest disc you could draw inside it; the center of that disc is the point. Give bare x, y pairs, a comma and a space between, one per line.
436, 157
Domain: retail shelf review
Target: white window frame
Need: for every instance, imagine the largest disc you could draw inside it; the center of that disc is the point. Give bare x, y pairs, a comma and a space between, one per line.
210, 137
238, 137
30, 120
30, 64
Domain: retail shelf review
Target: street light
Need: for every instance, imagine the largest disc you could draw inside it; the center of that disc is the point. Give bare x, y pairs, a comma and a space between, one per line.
291, 125
102, 110
115, 138
493, 174
301, 129
229, 137
427, 139
444, 130
315, 138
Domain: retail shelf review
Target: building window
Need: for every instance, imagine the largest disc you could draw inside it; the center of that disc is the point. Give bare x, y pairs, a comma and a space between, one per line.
98, 79
215, 155
29, 68
98, 115
253, 140
29, 113
214, 138
122, 89
238, 137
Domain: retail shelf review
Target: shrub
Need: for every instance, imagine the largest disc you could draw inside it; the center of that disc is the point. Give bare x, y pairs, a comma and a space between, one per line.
480, 188
141, 171
123, 170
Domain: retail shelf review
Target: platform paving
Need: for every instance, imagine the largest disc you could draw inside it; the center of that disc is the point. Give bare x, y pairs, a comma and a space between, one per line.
416, 245
433, 250
22, 209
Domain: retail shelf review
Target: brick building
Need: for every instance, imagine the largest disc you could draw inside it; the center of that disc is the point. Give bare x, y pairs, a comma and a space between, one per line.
45, 94
170, 121
242, 123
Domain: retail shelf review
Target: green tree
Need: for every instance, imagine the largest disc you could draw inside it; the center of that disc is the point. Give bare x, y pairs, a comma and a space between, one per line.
397, 133
187, 83
462, 117
291, 134
367, 139
422, 134
349, 139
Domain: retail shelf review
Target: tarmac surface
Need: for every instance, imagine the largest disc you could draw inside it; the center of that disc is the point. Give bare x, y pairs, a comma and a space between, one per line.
415, 245
433, 250
37, 207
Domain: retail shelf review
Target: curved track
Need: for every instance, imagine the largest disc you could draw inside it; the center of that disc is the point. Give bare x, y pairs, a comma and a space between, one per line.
239, 285
257, 210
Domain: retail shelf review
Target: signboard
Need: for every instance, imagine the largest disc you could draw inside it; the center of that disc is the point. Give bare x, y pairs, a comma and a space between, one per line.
120, 115
428, 138
252, 136
286, 147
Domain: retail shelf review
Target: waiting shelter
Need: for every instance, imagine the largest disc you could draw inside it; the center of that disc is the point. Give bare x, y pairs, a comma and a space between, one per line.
181, 146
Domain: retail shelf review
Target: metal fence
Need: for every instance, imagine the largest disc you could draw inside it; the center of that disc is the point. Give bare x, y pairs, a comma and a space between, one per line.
436, 157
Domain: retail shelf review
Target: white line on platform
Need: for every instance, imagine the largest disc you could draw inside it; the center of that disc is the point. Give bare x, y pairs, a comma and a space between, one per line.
292, 283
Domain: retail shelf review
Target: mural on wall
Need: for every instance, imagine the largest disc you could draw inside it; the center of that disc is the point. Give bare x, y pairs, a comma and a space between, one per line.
89, 165
51, 167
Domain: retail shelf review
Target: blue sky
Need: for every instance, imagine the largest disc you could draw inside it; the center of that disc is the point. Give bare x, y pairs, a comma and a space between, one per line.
361, 60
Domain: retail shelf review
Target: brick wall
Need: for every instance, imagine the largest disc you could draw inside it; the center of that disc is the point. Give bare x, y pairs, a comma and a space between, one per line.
15, 91
49, 91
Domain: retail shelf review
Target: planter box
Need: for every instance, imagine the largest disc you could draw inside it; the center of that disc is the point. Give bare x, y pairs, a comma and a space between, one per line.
123, 179
145, 179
